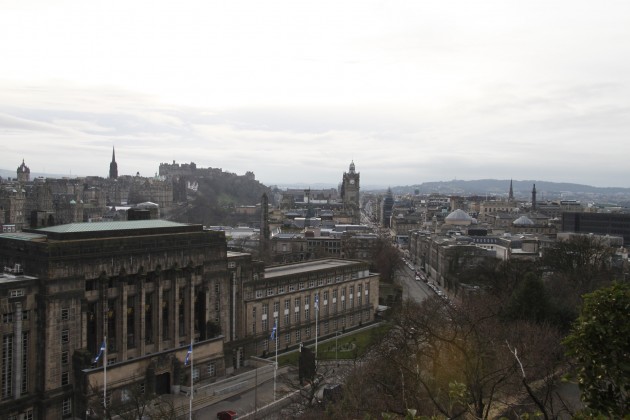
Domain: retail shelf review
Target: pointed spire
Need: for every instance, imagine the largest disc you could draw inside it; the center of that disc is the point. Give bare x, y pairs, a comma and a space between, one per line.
534, 198
511, 194
113, 166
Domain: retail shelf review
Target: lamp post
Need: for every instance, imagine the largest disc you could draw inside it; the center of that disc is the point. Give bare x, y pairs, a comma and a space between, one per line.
337, 333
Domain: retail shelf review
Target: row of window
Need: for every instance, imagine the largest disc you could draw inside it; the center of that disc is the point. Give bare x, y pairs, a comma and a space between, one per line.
9, 317
280, 289
285, 339
7, 374
324, 305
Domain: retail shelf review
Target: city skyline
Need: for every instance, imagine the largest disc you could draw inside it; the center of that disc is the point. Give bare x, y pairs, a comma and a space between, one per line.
411, 92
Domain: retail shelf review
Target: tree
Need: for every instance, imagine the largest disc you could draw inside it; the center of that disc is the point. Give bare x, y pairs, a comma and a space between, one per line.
454, 362
386, 259
600, 345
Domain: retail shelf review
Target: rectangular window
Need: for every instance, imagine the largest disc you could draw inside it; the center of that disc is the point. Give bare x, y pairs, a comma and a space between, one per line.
7, 318
16, 293
276, 306
270, 291
28, 415
195, 373
25, 346
287, 338
302, 285
259, 294
212, 369
298, 336
65, 378
65, 314
265, 309
308, 332
311, 283
65, 336
292, 288
280, 289
64, 358
7, 365
287, 303
66, 407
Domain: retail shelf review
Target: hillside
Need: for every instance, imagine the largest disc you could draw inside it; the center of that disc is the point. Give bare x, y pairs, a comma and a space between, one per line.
215, 199
522, 189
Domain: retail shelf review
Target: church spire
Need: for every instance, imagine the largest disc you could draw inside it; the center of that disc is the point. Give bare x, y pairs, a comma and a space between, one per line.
534, 198
511, 194
113, 166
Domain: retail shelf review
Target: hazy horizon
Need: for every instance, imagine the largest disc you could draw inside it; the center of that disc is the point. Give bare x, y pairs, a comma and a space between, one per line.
412, 92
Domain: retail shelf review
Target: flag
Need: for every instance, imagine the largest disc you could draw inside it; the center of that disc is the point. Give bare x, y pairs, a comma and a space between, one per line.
317, 302
188, 355
100, 353
274, 329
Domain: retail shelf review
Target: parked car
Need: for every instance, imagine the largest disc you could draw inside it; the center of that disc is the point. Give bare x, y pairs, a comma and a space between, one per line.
226, 415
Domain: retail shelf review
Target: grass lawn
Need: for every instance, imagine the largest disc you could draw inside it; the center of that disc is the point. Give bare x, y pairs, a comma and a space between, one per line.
349, 346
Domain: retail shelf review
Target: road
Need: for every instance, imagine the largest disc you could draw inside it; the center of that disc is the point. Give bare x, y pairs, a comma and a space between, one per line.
412, 288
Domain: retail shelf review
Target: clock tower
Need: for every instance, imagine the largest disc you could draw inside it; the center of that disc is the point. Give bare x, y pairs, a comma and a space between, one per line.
350, 194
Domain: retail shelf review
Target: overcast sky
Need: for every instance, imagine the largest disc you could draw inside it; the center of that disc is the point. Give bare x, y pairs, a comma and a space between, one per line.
411, 91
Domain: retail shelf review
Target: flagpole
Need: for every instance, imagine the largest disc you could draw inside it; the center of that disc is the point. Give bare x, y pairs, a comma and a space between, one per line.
105, 373
192, 339
316, 322
105, 315
274, 333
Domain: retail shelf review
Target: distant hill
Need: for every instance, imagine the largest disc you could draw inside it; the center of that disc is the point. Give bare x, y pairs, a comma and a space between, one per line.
500, 188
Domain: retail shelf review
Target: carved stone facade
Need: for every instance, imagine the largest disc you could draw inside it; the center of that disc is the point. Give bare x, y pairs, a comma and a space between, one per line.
133, 282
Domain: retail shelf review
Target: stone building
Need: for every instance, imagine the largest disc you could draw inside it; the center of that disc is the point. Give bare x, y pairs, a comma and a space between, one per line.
346, 291
132, 282
146, 289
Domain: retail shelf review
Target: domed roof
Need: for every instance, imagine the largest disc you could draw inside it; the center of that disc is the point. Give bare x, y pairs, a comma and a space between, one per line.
523, 221
458, 216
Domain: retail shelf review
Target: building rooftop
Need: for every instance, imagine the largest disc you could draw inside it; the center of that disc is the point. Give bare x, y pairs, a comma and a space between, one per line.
106, 226
74, 231
304, 267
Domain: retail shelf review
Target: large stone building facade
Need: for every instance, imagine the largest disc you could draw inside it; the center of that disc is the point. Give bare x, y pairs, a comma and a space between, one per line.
346, 291
148, 288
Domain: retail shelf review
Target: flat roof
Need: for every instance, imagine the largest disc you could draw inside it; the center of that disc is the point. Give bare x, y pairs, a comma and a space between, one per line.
10, 278
23, 236
107, 226
303, 267
98, 230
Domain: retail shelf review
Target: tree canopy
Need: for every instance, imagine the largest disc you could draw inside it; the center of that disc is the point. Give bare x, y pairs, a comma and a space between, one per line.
600, 346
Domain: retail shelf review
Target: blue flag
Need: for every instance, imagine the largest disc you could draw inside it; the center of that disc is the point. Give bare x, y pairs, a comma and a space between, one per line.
317, 302
274, 329
100, 353
188, 356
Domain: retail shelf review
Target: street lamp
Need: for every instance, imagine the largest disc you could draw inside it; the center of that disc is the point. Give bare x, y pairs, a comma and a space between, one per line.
337, 333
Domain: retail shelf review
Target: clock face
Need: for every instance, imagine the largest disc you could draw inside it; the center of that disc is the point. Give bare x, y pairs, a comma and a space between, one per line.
352, 182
